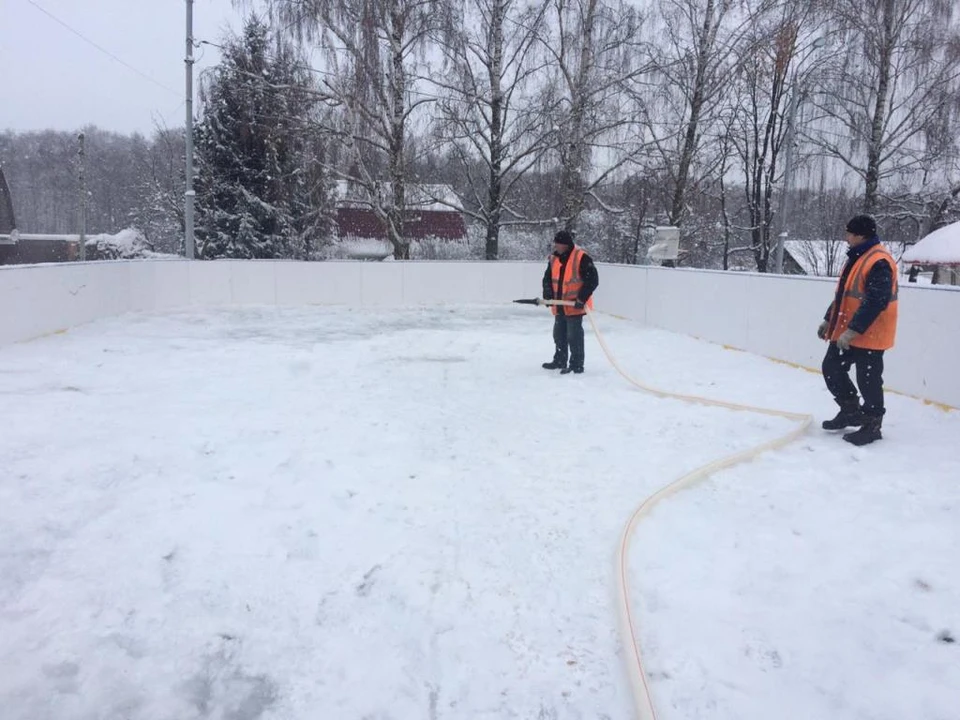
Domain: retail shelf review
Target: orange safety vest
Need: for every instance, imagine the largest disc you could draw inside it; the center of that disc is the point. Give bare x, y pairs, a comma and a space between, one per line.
881, 334
568, 287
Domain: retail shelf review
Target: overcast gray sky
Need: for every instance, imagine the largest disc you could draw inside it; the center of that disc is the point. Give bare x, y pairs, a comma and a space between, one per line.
53, 79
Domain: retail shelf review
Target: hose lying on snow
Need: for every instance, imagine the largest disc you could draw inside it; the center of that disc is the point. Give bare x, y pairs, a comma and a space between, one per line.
643, 701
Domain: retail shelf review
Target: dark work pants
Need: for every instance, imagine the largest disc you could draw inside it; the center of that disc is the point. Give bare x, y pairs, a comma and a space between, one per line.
869, 364
568, 334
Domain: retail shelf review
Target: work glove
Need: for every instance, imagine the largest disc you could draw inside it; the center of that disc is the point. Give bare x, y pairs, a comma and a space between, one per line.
578, 304
822, 330
848, 336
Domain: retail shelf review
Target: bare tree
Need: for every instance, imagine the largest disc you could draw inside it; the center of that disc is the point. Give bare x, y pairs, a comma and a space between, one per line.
161, 184
939, 209
928, 199
597, 60
899, 71
373, 51
729, 244
702, 45
487, 116
781, 51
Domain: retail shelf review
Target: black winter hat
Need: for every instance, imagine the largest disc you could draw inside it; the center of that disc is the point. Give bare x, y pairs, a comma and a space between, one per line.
862, 225
564, 237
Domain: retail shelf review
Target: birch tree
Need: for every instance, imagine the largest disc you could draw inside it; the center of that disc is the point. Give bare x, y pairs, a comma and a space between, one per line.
896, 78
702, 44
783, 53
373, 52
597, 59
488, 116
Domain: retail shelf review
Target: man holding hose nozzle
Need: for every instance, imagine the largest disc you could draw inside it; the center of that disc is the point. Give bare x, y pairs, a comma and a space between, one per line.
860, 324
571, 275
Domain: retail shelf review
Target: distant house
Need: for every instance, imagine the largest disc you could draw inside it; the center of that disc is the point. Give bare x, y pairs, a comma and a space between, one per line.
20, 249
31, 248
362, 235
821, 258
939, 253
23, 249
7, 222
8, 225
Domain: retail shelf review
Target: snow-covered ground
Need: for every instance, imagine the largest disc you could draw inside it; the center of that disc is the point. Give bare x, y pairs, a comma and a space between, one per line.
329, 513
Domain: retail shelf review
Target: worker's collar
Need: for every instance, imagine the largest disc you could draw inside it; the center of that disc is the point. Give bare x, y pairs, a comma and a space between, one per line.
858, 250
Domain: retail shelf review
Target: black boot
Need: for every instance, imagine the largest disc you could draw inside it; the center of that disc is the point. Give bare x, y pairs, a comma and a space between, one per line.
554, 365
850, 415
571, 369
868, 433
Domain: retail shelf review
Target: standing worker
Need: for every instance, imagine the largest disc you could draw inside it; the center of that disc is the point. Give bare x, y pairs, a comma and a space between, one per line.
860, 324
571, 275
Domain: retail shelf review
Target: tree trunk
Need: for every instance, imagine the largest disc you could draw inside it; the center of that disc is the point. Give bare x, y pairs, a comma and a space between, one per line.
396, 209
689, 147
495, 194
575, 154
875, 149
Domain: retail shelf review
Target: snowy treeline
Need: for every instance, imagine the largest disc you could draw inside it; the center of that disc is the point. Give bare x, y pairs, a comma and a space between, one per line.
131, 181
736, 121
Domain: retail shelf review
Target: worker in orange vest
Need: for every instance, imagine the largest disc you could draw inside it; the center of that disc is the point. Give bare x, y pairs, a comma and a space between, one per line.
860, 325
571, 275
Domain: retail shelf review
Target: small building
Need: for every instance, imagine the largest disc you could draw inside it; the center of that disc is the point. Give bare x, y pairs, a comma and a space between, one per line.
32, 248
29, 249
19, 249
938, 253
8, 224
429, 216
821, 258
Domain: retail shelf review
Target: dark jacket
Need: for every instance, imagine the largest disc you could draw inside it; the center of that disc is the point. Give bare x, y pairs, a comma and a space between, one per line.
588, 271
879, 286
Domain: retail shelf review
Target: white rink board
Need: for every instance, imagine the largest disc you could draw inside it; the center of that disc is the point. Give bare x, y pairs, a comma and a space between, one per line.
772, 316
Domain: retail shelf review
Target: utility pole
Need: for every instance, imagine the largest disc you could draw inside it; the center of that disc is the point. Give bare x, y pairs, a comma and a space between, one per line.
188, 196
81, 155
784, 209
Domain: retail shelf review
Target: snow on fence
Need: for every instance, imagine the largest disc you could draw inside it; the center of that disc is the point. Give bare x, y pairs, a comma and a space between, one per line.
774, 316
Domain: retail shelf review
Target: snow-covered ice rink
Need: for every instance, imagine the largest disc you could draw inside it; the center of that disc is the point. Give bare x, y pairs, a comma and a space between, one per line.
313, 513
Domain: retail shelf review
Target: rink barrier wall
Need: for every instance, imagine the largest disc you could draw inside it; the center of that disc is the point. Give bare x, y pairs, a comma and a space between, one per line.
772, 316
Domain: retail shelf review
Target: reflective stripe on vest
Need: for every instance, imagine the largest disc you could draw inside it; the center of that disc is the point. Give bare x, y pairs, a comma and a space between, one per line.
572, 282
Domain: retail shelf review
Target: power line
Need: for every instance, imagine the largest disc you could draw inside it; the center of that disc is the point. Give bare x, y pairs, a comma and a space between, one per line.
101, 48
166, 118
